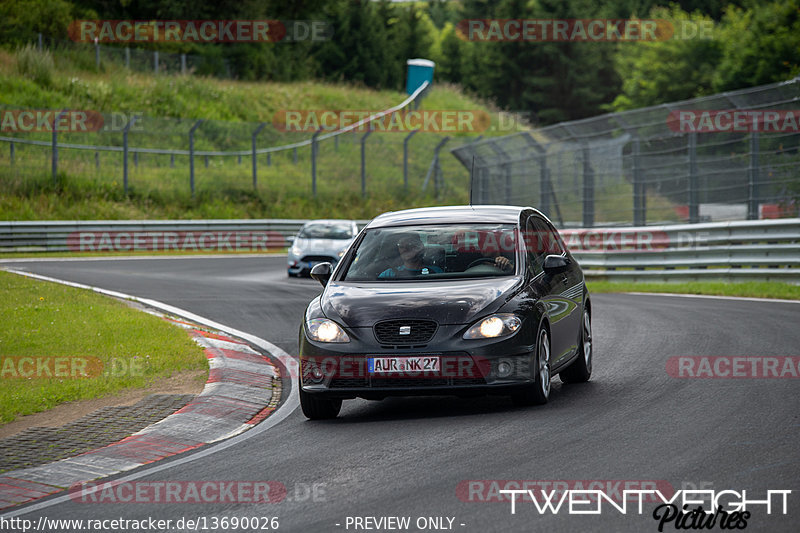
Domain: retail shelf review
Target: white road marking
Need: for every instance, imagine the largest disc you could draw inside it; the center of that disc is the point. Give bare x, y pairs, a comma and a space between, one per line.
742, 298
287, 408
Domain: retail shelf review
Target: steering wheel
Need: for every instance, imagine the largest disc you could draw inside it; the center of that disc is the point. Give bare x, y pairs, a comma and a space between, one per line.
481, 261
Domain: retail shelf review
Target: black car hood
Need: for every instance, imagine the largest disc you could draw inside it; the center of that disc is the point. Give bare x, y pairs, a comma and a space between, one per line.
451, 302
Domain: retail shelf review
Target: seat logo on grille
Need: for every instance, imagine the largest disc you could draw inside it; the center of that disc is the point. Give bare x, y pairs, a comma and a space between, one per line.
405, 330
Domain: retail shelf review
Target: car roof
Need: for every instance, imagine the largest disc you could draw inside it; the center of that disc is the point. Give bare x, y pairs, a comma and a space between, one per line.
450, 214
324, 221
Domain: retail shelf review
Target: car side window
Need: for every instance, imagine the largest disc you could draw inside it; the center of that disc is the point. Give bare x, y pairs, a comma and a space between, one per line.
550, 241
534, 250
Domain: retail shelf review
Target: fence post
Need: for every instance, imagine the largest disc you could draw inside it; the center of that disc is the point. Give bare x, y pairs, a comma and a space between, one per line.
127, 57
191, 154
405, 159
364, 162
269, 159
171, 160
206, 161
434, 166
753, 178
155, 62
54, 162
544, 184
314, 149
97, 160
253, 152
12, 152
96, 54
294, 155
239, 159
694, 208
40, 41
639, 191
125, 154
136, 159
183, 63
588, 189
336, 143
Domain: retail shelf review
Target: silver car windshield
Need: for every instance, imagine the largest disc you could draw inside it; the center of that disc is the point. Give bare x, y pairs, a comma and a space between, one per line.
327, 231
430, 252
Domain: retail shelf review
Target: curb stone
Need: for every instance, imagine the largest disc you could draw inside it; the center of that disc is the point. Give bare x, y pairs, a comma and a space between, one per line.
243, 388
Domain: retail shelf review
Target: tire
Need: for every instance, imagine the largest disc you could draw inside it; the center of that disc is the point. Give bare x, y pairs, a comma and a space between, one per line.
581, 369
317, 408
538, 392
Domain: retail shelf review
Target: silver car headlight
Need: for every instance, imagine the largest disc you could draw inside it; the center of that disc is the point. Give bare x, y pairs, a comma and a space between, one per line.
324, 330
497, 325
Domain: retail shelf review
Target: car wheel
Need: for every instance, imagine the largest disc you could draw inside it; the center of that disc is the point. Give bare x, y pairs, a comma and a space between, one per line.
581, 369
317, 408
538, 392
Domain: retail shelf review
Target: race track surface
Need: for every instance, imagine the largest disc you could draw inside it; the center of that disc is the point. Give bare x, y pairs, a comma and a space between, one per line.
407, 457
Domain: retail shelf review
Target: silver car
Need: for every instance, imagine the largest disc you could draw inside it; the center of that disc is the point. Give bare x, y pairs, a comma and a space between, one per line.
320, 241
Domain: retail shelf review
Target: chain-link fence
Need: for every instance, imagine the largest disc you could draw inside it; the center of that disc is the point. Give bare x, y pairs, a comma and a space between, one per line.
152, 155
730, 156
95, 55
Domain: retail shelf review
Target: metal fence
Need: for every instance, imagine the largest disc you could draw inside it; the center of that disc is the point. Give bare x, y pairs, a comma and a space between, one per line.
641, 166
767, 250
138, 59
175, 152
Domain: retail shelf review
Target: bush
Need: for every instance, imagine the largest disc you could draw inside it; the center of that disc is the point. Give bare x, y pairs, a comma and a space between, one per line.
36, 65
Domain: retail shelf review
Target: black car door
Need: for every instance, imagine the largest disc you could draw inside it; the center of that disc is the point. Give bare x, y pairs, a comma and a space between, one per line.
563, 303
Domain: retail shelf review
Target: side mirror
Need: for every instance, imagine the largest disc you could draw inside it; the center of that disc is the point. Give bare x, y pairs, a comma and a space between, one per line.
322, 272
554, 263
290, 239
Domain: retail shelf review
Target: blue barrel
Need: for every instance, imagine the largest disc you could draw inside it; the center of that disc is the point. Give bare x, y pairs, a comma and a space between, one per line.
419, 71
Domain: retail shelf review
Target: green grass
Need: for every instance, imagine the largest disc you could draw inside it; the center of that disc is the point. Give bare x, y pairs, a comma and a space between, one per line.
157, 190
752, 289
42, 320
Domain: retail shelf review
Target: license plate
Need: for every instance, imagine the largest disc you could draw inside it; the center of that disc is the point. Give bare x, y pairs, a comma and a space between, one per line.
385, 365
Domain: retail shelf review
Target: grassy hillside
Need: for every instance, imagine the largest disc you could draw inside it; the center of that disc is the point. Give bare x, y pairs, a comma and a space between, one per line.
89, 185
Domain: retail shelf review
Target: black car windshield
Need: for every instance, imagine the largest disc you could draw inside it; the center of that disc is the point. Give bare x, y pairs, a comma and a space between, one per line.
429, 252
326, 231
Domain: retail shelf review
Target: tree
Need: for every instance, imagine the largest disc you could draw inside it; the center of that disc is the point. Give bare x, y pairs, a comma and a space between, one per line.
656, 72
760, 44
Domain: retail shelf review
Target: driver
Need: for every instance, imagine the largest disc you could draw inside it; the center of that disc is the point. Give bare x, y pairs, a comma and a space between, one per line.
411, 250
500, 261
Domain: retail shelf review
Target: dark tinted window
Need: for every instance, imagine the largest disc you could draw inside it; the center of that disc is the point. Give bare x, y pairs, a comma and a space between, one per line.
441, 251
326, 231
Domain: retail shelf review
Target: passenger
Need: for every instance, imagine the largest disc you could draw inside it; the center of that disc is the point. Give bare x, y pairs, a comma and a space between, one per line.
411, 252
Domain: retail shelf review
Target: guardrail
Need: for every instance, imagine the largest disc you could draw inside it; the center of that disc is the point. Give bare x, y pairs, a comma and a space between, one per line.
767, 250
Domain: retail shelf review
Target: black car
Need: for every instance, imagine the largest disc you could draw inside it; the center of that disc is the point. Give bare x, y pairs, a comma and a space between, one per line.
446, 300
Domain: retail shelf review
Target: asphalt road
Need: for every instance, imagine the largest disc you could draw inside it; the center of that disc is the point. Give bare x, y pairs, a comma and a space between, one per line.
407, 457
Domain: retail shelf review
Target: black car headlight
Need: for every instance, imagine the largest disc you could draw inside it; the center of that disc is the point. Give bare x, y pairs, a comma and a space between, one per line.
498, 325
324, 330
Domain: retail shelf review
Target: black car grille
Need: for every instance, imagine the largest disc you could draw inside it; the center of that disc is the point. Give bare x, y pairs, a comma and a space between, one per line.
388, 331
402, 383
